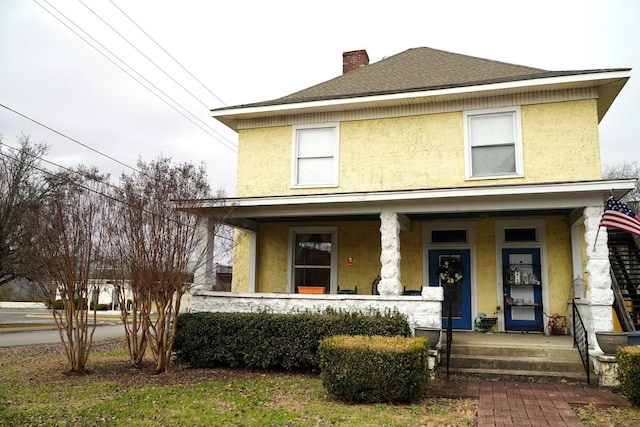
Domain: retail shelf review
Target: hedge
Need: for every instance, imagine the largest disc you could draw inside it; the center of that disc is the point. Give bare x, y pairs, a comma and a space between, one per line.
272, 341
628, 358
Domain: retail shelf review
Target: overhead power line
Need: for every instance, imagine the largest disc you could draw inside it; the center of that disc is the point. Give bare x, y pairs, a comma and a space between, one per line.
69, 138
143, 54
228, 144
168, 54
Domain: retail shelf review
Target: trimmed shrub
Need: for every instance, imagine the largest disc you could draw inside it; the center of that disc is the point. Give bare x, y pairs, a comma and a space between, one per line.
375, 369
628, 358
273, 341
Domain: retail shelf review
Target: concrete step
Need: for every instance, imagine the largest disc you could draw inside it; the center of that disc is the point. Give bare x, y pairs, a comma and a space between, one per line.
517, 361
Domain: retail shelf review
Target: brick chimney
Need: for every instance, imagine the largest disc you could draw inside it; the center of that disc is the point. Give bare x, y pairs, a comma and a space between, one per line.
353, 60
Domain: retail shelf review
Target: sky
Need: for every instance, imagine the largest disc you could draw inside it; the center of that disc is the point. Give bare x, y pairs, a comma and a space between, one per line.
191, 56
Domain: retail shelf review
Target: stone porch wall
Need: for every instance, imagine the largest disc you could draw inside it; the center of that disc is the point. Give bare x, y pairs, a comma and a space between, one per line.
424, 311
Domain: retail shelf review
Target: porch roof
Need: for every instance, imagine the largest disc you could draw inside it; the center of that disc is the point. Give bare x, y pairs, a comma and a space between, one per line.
561, 197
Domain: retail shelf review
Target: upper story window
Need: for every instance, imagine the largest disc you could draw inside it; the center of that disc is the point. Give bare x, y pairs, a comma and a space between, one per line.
493, 143
315, 156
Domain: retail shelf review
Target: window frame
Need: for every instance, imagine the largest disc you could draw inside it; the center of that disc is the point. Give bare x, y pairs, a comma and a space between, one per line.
517, 134
291, 253
295, 155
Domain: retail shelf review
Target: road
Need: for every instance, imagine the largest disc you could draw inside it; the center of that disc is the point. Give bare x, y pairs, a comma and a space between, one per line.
37, 327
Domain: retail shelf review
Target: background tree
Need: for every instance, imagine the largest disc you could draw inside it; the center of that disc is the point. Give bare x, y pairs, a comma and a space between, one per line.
69, 233
163, 245
630, 169
21, 182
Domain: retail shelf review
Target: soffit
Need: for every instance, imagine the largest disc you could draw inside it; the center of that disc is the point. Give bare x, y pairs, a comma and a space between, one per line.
530, 197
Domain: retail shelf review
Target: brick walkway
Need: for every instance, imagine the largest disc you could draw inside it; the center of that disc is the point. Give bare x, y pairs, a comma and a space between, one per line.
512, 403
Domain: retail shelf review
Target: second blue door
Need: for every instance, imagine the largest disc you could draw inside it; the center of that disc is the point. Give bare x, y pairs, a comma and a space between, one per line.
459, 294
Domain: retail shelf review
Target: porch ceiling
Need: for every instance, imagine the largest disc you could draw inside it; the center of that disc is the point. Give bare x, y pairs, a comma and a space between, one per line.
524, 199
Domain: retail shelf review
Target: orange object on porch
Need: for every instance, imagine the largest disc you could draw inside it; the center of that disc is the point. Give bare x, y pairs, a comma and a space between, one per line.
311, 289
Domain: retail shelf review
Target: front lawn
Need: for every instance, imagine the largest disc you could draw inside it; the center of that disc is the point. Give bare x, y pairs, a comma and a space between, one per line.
33, 392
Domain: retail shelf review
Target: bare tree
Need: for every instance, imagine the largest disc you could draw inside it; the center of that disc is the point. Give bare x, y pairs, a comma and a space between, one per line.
68, 235
163, 246
630, 169
20, 183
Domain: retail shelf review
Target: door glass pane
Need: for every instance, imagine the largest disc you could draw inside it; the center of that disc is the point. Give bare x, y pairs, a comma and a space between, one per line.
520, 235
449, 236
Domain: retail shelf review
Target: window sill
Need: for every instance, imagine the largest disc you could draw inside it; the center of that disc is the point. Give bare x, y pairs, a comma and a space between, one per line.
488, 177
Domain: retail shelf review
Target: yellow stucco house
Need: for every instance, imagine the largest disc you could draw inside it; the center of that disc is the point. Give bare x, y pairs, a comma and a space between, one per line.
368, 183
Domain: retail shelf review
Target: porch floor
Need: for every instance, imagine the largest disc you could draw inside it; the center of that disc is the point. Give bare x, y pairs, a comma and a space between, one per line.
508, 339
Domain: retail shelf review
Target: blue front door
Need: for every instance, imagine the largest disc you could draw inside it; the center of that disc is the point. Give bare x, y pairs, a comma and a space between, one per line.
522, 285
459, 294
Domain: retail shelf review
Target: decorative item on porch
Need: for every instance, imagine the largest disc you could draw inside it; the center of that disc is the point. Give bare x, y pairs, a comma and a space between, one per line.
311, 289
484, 323
609, 341
433, 334
450, 271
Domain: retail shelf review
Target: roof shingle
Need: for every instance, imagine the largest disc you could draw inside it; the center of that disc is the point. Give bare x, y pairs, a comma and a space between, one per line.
416, 69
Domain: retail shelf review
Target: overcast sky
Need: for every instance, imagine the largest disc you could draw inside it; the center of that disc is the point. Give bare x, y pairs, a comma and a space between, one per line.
250, 51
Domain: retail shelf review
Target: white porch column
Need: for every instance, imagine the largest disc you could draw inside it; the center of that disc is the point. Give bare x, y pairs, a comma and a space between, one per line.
253, 260
599, 293
576, 249
390, 254
204, 275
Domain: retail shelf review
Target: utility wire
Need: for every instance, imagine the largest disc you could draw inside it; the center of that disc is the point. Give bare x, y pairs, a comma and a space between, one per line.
143, 54
224, 141
168, 54
69, 138
232, 147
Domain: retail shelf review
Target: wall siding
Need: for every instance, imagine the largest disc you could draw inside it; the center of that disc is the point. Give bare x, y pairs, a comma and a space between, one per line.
560, 143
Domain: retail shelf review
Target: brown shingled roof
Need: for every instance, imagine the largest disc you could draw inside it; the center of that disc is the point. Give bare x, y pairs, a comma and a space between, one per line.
416, 69
413, 69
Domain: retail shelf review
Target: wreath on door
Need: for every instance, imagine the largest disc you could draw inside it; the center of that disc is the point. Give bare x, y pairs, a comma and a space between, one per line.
450, 271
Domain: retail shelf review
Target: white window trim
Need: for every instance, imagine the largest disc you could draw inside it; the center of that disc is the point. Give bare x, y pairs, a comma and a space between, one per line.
294, 155
468, 169
333, 230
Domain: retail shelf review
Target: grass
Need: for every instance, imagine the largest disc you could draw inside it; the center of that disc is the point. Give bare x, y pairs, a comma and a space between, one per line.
33, 392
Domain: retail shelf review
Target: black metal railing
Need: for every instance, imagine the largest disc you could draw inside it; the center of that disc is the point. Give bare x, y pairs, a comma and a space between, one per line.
449, 333
581, 340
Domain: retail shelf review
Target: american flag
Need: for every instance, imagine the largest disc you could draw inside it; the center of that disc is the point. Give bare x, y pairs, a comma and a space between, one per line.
619, 216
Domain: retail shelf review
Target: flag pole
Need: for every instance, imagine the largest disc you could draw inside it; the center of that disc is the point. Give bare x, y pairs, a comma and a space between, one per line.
596, 240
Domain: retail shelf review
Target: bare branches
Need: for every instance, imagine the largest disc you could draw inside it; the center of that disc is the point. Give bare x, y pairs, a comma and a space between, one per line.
630, 169
69, 237
20, 184
163, 244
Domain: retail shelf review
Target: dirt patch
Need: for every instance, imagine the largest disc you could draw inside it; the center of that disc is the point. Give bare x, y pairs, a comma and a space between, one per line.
116, 367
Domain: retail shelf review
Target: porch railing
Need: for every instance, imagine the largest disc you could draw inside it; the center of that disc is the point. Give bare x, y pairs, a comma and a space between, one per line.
449, 332
581, 340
